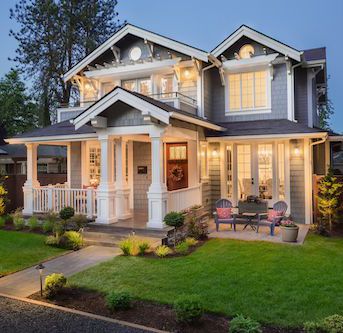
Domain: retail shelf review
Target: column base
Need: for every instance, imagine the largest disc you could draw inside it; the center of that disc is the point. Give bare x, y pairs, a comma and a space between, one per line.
123, 211
157, 208
106, 205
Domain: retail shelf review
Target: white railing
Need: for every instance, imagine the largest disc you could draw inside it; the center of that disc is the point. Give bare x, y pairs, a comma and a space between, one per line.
53, 198
184, 198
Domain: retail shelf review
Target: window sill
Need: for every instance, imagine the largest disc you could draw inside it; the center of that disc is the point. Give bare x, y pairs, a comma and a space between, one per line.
247, 112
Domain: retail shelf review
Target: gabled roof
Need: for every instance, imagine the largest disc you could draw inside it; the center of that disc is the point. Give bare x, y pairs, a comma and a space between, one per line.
142, 33
259, 37
147, 105
315, 54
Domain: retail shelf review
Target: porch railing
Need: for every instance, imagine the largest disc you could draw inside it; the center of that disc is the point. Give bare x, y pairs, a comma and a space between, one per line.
53, 198
184, 198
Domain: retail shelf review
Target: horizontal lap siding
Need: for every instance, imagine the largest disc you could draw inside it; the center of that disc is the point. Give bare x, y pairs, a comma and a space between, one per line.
76, 173
297, 189
214, 173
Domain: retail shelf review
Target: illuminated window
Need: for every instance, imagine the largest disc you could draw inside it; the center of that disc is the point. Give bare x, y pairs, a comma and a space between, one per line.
94, 165
281, 170
229, 179
167, 86
142, 86
246, 51
248, 91
265, 171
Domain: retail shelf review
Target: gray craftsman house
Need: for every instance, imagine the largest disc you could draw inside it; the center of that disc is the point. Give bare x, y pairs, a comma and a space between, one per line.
161, 126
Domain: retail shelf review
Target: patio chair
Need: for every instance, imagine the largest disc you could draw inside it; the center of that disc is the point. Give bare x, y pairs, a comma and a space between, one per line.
280, 208
224, 203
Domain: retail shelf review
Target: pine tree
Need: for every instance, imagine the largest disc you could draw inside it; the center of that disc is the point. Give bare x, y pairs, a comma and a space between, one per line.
53, 36
329, 193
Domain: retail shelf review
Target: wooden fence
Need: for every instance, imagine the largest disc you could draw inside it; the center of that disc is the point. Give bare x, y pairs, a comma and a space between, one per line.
14, 185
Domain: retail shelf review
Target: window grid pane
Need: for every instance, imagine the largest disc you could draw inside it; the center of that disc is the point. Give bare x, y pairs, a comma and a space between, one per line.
247, 90
235, 91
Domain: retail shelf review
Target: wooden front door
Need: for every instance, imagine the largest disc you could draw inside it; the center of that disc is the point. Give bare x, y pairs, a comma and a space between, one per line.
177, 166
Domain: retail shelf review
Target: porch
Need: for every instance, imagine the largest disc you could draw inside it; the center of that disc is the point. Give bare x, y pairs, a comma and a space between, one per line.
119, 179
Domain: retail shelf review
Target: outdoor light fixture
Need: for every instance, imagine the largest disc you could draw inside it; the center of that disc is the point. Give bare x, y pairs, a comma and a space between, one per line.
215, 153
40, 268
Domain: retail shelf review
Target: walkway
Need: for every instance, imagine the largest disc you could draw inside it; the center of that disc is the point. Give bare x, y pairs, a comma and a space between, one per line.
26, 282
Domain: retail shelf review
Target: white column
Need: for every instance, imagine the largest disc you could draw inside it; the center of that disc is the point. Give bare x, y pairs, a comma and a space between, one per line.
31, 178
106, 189
157, 194
68, 165
122, 187
308, 182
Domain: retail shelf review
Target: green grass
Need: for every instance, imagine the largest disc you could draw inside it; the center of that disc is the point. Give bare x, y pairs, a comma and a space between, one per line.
273, 283
19, 250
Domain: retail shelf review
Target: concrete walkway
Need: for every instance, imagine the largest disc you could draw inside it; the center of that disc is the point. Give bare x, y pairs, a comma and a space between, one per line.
26, 282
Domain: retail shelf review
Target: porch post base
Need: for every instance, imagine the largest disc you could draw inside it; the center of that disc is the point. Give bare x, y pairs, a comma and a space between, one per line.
28, 196
123, 204
106, 205
157, 208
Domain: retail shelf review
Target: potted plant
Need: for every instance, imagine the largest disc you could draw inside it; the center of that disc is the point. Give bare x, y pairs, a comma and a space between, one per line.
197, 210
289, 231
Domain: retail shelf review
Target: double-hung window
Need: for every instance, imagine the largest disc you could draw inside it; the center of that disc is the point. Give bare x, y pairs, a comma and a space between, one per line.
248, 91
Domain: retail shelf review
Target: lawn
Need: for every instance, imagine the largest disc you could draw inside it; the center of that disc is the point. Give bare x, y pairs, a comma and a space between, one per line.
19, 250
278, 284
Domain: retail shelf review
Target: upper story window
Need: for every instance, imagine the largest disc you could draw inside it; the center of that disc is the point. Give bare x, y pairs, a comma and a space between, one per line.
246, 51
142, 86
167, 86
248, 91
135, 53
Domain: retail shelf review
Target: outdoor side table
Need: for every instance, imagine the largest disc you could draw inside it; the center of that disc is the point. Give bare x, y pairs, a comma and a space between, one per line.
250, 217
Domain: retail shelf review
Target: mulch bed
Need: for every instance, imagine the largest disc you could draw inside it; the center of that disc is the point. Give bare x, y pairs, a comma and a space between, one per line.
11, 227
145, 313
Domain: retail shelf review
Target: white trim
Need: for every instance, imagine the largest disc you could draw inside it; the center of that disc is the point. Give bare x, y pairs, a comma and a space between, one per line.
119, 94
288, 175
53, 138
310, 77
258, 37
308, 181
132, 71
290, 94
247, 112
144, 34
247, 64
196, 121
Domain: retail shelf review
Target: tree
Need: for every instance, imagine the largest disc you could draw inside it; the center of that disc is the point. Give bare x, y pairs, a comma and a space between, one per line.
19, 113
329, 193
325, 111
53, 36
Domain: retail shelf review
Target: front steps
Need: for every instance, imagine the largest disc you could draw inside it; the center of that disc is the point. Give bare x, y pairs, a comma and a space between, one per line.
103, 235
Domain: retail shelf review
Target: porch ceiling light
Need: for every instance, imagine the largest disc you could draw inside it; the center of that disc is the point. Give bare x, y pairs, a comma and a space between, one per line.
215, 152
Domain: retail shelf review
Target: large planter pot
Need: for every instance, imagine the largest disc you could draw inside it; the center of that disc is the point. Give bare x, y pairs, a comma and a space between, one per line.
289, 234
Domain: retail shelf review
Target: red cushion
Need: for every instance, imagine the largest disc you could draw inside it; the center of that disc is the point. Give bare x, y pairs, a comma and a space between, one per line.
224, 213
274, 213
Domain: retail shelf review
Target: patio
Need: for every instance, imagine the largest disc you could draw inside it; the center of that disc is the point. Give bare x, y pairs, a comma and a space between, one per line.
225, 232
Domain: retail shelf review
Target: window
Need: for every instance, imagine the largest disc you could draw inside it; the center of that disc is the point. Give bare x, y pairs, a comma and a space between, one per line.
229, 179
246, 51
248, 91
281, 170
107, 87
142, 86
244, 171
177, 166
167, 86
94, 165
265, 171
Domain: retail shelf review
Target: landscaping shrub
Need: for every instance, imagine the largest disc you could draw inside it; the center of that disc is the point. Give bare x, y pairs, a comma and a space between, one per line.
33, 223
54, 283
48, 226
162, 251
51, 216
119, 300
66, 213
313, 327
129, 246
52, 241
19, 223
2, 221
240, 324
58, 228
71, 240
188, 309
182, 248
190, 241
197, 229
78, 221
143, 247
174, 219
331, 324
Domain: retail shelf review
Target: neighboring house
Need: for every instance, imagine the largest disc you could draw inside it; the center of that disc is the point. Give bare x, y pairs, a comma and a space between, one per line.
162, 126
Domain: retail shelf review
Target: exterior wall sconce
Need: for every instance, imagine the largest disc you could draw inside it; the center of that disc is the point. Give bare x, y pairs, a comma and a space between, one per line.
297, 149
215, 153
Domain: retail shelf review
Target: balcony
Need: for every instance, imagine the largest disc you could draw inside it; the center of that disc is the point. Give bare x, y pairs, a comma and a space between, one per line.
175, 99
